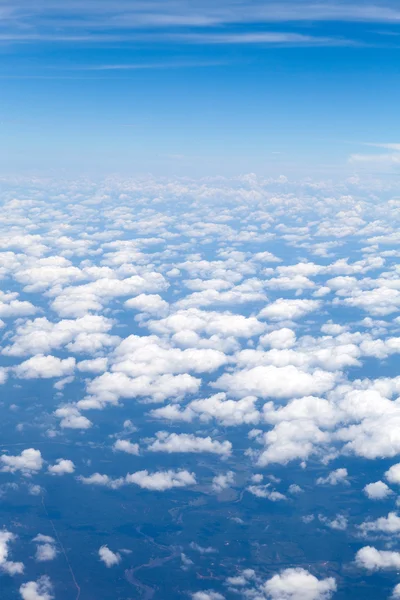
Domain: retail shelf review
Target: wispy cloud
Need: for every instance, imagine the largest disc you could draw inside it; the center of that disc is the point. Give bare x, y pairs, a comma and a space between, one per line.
389, 146
274, 38
108, 21
144, 66
387, 159
137, 13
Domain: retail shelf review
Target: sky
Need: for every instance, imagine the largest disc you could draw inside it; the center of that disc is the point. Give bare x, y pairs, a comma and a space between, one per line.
199, 88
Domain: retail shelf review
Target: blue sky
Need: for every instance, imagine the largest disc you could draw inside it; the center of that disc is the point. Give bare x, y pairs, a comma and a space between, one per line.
199, 88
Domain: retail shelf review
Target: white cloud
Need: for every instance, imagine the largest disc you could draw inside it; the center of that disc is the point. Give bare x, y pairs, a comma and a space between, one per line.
389, 524
41, 589
202, 549
61, 467
280, 338
45, 367
223, 481
149, 303
377, 490
186, 442
110, 387
284, 309
109, 558
28, 462
126, 446
334, 478
374, 560
396, 592
207, 595
298, 584
226, 412
264, 491
71, 418
7, 566
45, 552
393, 474
208, 322
162, 480
278, 382
338, 523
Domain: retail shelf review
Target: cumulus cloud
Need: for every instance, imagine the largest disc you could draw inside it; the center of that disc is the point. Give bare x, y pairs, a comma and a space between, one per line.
157, 481
41, 589
334, 478
8, 566
393, 474
223, 481
71, 418
285, 309
61, 467
162, 480
225, 411
207, 595
298, 584
28, 462
377, 490
375, 560
44, 367
126, 446
109, 558
186, 442
389, 524
265, 491
276, 382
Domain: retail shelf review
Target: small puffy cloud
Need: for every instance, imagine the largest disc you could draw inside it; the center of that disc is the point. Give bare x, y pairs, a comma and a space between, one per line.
242, 579
98, 479
45, 552
280, 338
276, 382
218, 407
95, 365
187, 442
161, 480
389, 525
8, 566
109, 558
110, 387
126, 446
61, 467
375, 560
44, 367
264, 491
15, 308
202, 549
208, 322
44, 539
295, 489
221, 482
334, 478
207, 595
393, 474
339, 522
149, 303
396, 592
298, 584
285, 309
41, 589
71, 418
377, 491
28, 462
